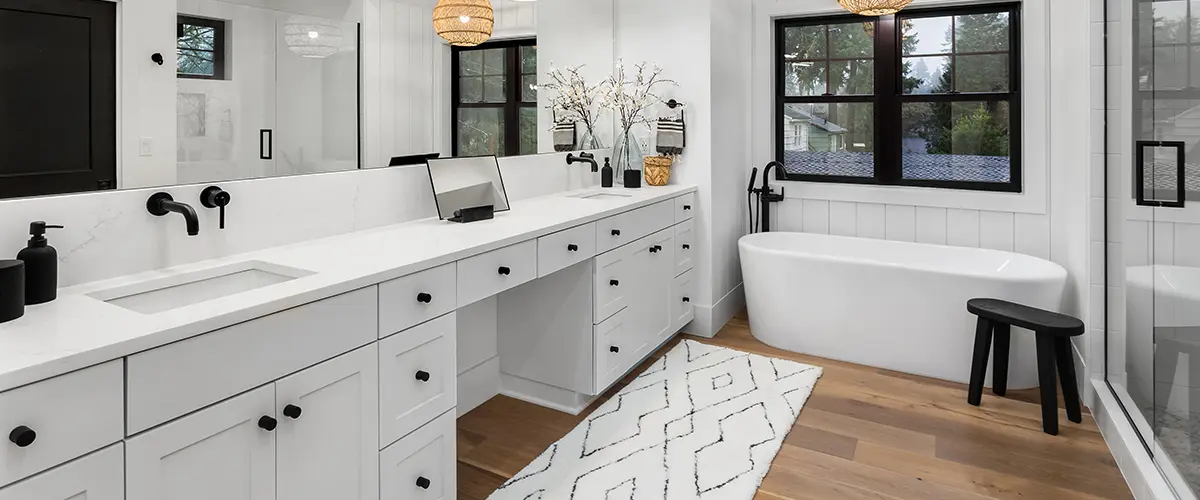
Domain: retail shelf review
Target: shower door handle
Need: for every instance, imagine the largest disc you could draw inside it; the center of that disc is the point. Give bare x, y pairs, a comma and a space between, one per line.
1179, 170
266, 143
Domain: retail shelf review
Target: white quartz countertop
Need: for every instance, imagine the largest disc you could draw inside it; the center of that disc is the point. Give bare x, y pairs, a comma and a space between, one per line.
77, 331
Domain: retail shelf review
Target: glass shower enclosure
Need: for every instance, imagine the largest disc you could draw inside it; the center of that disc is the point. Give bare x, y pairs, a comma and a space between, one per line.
1152, 195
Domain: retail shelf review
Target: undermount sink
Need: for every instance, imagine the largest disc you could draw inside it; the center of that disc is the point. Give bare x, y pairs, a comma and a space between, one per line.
182, 290
600, 196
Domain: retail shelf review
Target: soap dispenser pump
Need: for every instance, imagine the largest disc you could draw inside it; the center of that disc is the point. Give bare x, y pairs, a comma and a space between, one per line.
606, 174
41, 265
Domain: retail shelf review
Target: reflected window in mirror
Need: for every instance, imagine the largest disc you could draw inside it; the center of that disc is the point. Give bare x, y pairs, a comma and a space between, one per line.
200, 48
494, 92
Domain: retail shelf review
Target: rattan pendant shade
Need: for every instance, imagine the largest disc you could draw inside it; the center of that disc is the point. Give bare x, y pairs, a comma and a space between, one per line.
874, 7
465, 23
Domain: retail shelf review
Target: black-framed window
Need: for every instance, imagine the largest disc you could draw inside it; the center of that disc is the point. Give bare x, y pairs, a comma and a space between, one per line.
494, 95
923, 98
200, 48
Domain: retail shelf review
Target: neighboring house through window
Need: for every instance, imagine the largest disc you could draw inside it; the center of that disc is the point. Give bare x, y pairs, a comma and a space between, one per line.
923, 98
494, 94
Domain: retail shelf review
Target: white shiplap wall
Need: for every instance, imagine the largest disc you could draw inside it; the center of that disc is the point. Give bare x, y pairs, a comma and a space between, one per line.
1008, 231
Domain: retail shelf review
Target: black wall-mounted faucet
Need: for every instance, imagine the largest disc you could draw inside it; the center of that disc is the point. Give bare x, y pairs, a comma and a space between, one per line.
584, 157
161, 204
215, 197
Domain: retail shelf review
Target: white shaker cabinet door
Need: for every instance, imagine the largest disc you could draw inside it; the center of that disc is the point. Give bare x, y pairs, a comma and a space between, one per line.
99, 476
224, 452
328, 437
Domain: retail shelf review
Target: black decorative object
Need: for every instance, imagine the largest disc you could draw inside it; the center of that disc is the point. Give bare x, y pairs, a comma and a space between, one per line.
633, 178
474, 214
12, 290
1054, 332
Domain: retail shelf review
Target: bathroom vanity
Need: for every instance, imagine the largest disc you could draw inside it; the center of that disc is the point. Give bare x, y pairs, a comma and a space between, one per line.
327, 369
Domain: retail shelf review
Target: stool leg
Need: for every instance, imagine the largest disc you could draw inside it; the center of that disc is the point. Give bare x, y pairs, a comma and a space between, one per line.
1066, 372
1002, 340
1046, 383
979, 362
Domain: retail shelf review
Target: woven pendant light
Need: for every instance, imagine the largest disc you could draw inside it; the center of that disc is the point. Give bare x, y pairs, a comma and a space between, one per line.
874, 7
465, 23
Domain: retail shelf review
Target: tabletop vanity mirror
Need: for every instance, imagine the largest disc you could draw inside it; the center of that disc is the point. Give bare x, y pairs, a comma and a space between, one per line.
106, 95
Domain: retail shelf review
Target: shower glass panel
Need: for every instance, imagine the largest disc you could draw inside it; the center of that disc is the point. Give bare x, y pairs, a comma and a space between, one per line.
264, 93
1153, 235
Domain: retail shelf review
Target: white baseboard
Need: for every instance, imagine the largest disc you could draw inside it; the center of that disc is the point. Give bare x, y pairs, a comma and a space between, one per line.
478, 384
710, 320
1143, 477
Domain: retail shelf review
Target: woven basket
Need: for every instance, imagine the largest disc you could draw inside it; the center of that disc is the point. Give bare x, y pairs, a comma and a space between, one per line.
658, 170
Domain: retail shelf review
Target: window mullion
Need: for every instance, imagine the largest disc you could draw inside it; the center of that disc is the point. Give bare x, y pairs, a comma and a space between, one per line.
887, 107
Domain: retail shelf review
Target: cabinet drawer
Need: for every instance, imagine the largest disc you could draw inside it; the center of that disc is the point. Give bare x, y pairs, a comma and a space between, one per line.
66, 417
422, 465
417, 298
619, 346
173, 380
488, 274
564, 249
99, 476
417, 373
685, 247
614, 282
621, 229
682, 309
685, 207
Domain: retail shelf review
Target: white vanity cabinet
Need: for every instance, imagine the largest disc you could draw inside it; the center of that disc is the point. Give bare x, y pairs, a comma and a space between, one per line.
99, 476
257, 446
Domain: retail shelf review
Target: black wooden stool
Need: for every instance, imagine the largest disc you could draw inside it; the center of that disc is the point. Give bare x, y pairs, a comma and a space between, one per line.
1054, 332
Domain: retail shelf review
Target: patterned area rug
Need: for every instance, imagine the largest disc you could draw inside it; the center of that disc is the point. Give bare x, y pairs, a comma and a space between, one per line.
701, 422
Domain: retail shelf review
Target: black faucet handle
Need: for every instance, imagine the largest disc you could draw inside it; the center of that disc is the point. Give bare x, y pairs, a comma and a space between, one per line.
215, 197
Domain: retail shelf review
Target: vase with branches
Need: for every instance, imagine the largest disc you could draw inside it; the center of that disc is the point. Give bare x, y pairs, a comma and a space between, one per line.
575, 100
631, 94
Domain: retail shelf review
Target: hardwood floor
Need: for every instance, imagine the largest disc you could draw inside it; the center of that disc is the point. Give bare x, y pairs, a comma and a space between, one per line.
865, 433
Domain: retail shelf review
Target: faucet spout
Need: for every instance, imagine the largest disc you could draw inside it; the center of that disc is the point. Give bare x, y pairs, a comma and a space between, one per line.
161, 204
584, 157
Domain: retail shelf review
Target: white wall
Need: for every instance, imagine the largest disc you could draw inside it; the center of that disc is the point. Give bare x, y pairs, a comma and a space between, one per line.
574, 33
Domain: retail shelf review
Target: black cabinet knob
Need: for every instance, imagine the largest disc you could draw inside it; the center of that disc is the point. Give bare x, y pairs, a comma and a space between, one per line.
504, 271
267, 423
424, 298
616, 232
614, 349
687, 247
22, 436
614, 283
423, 376
572, 248
292, 411
687, 208
423, 483
687, 299
655, 249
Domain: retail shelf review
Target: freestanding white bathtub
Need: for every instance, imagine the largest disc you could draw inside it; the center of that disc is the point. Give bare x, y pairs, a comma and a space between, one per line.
895, 305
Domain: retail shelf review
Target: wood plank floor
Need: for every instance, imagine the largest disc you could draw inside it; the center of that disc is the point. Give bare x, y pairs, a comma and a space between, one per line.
865, 433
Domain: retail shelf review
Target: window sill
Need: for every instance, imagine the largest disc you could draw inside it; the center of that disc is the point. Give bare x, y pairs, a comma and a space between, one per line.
1029, 202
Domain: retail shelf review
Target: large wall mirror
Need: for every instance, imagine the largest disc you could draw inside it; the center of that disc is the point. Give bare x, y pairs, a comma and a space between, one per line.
102, 94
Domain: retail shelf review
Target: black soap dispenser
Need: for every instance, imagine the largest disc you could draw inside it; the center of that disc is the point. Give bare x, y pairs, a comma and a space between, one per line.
606, 175
41, 266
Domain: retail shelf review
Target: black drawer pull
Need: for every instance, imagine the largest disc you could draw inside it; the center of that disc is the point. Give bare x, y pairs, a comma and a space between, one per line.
423, 376
616, 232
687, 247
424, 298
292, 411
614, 349
572, 248
687, 208
655, 249
504, 271
267, 423
22, 436
687, 299
614, 283
423, 483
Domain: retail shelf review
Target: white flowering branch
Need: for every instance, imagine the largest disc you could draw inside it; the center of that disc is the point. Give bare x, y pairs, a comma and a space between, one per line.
574, 98
631, 96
